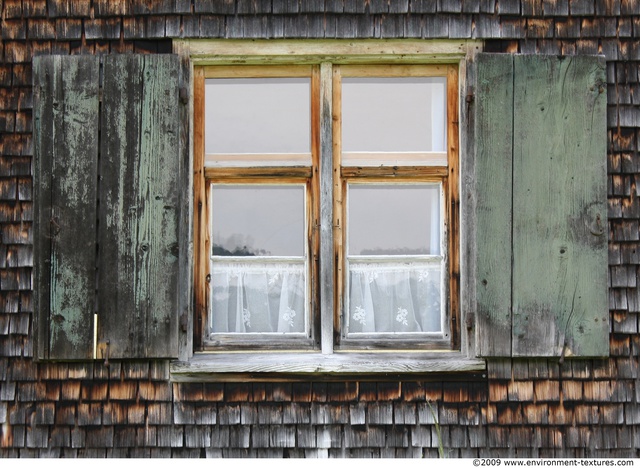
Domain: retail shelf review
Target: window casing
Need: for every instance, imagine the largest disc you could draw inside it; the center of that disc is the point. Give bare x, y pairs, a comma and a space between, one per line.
422, 307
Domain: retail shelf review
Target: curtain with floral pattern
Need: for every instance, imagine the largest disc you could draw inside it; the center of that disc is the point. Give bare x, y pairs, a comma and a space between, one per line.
394, 297
258, 297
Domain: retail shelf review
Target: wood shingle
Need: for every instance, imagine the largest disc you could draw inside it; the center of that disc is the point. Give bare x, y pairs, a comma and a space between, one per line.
533, 408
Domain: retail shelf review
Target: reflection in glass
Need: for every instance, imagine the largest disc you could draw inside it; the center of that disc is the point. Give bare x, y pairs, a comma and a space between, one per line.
258, 265
394, 265
394, 219
393, 114
258, 220
257, 115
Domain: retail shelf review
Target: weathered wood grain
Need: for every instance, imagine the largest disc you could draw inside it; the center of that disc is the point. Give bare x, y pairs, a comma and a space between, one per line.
290, 367
339, 213
452, 184
140, 208
185, 223
66, 128
560, 305
260, 51
493, 134
327, 264
200, 210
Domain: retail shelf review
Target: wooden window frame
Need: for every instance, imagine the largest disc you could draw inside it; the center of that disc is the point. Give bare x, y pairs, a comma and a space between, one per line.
267, 174
326, 327
447, 175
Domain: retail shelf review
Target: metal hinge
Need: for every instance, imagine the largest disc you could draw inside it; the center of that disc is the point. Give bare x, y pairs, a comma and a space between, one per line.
470, 97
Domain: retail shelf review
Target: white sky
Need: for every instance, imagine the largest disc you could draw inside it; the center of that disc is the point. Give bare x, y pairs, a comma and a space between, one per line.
273, 116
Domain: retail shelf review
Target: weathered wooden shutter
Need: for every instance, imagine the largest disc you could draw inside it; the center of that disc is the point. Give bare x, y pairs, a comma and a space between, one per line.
541, 238
108, 178
66, 115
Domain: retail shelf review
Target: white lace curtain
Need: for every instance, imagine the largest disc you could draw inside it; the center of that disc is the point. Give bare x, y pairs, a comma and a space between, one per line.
258, 297
394, 297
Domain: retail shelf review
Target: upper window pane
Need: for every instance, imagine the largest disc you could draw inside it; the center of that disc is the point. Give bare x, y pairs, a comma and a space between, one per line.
257, 116
393, 114
258, 220
394, 219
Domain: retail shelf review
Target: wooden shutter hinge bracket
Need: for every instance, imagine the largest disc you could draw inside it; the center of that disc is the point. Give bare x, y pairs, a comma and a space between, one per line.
104, 348
470, 97
184, 322
183, 93
470, 321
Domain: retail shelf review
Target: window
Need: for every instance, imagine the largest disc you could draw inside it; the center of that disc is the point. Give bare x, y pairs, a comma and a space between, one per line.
115, 271
390, 178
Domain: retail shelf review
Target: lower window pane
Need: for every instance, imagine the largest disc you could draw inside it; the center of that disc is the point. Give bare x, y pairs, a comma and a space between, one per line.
394, 297
394, 263
259, 265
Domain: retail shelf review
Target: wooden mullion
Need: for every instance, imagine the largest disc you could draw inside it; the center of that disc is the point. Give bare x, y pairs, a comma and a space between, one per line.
327, 269
313, 205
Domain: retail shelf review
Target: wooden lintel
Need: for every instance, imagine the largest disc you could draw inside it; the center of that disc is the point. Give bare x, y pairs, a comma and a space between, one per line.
282, 51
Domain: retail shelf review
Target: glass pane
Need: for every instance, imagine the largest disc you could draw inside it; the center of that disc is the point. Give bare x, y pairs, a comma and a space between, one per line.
258, 297
394, 219
258, 220
257, 115
394, 297
393, 114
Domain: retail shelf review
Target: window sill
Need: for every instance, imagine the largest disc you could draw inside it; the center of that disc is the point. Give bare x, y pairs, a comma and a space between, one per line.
214, 367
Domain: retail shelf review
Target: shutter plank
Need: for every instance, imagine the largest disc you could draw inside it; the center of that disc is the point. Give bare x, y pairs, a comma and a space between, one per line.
140, 184
44, 131
559, 208
493, 190
66, 153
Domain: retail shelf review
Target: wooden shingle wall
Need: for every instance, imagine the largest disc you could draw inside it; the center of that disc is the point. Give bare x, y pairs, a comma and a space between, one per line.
532, 408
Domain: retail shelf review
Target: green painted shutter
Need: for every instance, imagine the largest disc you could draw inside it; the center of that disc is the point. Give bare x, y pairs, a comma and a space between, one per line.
138, 236
541, 238
107, 225
65, 170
